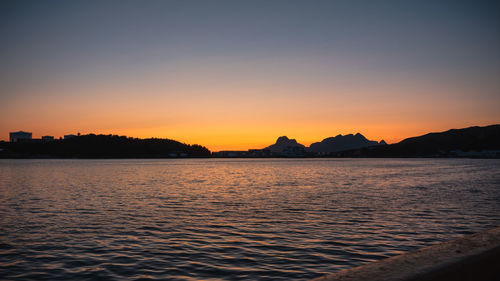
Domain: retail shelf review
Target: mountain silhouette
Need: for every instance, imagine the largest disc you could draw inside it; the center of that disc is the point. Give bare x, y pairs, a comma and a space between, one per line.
341, 143
329, 145
481, 142
467, 142
283, 143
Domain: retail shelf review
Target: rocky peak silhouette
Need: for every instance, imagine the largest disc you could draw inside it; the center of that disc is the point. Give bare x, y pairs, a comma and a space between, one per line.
340, 143
282, 143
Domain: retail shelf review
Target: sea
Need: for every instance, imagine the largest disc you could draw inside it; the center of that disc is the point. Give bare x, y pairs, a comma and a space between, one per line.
232, 219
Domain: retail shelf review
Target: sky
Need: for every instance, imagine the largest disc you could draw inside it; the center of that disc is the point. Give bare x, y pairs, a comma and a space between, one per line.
238, 74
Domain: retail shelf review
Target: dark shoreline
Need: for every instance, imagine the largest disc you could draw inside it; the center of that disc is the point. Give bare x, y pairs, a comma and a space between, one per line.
472, 142
211, 157
472, 257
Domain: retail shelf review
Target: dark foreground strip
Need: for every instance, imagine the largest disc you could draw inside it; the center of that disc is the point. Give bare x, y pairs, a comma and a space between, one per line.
472, 257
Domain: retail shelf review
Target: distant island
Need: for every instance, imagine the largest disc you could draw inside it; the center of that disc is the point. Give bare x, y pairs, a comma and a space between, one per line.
291, 148
473, 142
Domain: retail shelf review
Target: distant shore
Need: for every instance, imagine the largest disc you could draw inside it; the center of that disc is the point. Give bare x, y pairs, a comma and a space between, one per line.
242, 158
472, 142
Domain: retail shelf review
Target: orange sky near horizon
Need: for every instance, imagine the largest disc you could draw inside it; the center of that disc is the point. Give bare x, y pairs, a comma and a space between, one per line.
233, 138
243, 104
240, 116
236, 75
224, 109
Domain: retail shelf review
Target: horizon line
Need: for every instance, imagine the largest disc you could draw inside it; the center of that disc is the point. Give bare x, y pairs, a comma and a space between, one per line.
307, 144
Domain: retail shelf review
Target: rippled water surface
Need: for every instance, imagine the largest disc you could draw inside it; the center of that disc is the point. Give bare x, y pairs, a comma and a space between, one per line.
232, 219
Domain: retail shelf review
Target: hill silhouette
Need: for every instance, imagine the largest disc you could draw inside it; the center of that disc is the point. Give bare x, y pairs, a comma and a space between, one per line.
467, 142
102, 146
283, 143
341, 143
290, 147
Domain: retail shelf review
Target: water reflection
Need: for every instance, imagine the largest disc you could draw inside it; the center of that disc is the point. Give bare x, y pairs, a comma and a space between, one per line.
231, 219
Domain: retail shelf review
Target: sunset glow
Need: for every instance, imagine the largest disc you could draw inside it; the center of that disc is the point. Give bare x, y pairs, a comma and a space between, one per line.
230, 76
249, 139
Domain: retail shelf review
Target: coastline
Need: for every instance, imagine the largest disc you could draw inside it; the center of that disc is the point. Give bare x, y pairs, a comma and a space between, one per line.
472, 257
274, 157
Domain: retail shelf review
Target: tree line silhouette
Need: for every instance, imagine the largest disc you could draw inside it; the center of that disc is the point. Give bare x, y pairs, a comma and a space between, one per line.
102, 146
482, 142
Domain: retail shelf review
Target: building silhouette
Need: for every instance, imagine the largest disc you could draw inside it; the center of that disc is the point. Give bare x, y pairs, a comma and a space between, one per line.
19, 136
47, 138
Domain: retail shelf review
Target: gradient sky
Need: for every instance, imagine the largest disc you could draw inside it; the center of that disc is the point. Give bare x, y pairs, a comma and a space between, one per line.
238, 74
